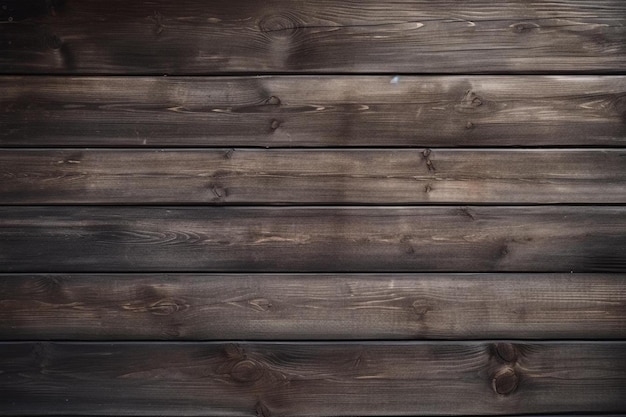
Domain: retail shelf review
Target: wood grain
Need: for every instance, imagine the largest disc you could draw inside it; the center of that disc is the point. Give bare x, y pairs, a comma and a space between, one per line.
318, 306
225, 176
320, 239
302, 379
145, 241
193, 37
320, 111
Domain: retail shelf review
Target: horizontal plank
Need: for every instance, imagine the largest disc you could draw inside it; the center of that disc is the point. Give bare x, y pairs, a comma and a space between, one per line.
313, 111
320, 239
192, 37
306, 379
320, 306
402, 176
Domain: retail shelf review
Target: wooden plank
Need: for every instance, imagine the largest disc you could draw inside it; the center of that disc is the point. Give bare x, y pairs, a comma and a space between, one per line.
225, 176
319, 306
305, 379
320, 239
313, 111
193, 37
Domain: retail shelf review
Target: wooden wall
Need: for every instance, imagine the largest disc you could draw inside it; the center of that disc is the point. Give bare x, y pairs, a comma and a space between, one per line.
320, 208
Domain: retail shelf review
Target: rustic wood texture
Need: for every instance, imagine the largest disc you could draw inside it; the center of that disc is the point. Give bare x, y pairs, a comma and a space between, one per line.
361, 239
319, 306
325, 208
305, 379
194, 37
313, 111
312, 176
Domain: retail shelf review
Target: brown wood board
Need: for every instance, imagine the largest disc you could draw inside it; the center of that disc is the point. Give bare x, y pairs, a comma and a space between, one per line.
303, 379
312, 306
313, 111
313, 239
244, 176
194, 37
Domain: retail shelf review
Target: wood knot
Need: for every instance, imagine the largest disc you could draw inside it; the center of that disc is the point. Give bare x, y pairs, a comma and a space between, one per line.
469, 102
506, 351
273, 101
420, 309
218, 191
281, 25
524, 27
471, 99
505, 381
469, 125
260, 304
246, 371
157, 19
275, 124
167, 307
429, 164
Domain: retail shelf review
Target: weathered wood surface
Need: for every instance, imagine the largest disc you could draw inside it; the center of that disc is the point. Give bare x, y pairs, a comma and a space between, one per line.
303, 379
320, 239
318, 306
401, 176
409, 302
313, 111
192, 36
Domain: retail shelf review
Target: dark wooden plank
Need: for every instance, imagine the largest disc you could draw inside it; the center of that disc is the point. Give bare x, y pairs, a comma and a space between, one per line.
306, 379
313, 111
320, 306
225, 176
361, 239
191, 36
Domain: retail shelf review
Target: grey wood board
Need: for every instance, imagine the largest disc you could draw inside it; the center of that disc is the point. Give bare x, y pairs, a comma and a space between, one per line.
323, 36
311, 306
313, 111
306, 379
313, 239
